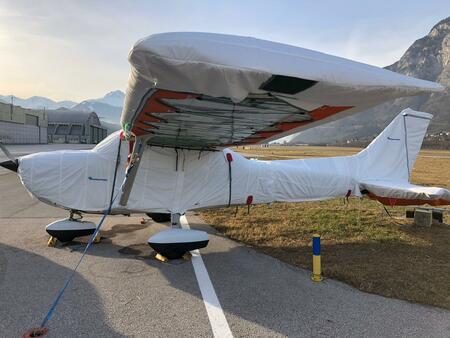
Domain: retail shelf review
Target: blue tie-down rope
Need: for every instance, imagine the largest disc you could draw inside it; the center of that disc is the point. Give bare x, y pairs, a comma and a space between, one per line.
41, 331
50, 312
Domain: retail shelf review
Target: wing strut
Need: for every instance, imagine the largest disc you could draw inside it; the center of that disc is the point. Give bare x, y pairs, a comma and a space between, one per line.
132, 169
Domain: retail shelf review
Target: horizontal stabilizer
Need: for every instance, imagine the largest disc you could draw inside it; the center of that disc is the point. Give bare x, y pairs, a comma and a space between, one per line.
403, 193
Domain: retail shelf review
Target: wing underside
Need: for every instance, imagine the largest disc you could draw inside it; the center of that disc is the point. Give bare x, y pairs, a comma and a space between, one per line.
194, 121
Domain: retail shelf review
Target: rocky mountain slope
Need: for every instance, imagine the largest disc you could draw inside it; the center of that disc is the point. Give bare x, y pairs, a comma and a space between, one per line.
427, 58
108, 107
104, 111
114, 98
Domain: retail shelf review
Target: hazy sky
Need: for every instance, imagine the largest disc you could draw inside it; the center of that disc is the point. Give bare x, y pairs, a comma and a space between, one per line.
78, 49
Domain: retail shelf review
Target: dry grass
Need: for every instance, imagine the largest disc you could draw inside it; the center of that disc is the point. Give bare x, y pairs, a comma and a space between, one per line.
361, 245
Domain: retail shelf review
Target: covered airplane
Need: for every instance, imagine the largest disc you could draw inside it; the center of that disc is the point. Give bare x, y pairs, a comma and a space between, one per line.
192, 95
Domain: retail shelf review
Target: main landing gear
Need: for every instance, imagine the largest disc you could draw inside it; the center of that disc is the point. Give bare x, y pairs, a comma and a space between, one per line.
176, 242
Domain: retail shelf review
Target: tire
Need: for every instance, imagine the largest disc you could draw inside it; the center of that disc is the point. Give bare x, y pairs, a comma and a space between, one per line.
159, 217
65, 239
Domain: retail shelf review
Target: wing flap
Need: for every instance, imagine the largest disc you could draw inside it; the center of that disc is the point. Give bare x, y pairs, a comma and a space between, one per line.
193, 121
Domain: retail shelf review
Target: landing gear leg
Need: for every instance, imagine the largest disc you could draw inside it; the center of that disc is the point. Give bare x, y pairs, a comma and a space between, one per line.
175, 221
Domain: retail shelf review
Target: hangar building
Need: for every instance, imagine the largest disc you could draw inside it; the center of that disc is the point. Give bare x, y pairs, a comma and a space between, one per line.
20, 126
67, 126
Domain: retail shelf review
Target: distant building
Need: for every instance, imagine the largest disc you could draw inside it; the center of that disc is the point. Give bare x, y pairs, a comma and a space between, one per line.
67, 126
20, 126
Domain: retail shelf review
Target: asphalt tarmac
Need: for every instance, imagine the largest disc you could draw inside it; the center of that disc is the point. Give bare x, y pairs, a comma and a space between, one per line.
120, 290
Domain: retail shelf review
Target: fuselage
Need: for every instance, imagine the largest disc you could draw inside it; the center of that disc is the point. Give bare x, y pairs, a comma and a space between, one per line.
175, 181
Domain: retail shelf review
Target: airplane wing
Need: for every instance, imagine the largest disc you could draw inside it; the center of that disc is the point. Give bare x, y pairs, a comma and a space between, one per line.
202, 91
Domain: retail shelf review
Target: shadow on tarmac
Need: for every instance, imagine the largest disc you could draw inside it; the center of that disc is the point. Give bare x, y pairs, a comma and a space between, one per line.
271, 297
28, 285
248, 295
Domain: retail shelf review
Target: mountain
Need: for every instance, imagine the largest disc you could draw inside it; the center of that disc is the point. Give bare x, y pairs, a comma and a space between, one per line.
427, 58
37, 102
114, 98
104, 111
108, 107
111, 127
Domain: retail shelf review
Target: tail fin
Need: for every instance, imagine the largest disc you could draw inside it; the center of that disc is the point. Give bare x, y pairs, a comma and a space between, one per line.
387, 162
393, 153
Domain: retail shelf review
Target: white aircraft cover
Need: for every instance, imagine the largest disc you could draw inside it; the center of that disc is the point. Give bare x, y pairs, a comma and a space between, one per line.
180, 180
405, 190
389, 160
294, 89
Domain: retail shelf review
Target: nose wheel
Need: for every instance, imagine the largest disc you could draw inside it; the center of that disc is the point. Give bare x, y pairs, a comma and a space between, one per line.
53, 241
66, 230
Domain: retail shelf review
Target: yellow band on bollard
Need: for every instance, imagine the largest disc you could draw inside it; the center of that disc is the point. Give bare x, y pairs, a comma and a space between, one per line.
317, 268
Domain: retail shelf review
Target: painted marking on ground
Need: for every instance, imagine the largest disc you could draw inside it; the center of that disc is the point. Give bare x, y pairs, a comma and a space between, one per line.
214, 310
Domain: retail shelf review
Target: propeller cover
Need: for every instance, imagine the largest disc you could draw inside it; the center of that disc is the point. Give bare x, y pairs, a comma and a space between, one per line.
10, 165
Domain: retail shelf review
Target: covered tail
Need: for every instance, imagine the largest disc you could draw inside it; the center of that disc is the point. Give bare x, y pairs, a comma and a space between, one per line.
386, 164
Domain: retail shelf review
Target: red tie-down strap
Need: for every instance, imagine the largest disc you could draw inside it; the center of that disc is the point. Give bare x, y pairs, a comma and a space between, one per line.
229, 158
347, 195
249, 202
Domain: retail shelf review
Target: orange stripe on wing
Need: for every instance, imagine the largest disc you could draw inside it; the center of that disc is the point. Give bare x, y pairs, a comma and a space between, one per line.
327, 111
154, 105
285, 126
267, 134
316, 115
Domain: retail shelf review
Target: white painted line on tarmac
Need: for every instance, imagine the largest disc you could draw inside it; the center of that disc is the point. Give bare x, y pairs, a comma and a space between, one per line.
214, 310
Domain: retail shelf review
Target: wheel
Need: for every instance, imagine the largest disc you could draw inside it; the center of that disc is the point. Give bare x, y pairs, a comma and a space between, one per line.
65, 238
159, 217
